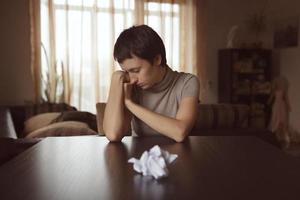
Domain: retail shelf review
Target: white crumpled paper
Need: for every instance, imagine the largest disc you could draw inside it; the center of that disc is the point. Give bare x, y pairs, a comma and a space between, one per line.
153, 163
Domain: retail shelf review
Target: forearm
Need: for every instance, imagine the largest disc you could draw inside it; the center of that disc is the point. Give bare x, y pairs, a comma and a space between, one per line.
172, 128
114, 122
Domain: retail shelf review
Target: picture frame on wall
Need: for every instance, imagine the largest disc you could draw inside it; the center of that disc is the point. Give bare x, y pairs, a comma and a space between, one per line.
286, 33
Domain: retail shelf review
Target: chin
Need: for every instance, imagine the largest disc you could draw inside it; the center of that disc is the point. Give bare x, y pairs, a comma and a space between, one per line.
144, 87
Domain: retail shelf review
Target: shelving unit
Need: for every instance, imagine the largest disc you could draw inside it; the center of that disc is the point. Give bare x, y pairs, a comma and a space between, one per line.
245, 77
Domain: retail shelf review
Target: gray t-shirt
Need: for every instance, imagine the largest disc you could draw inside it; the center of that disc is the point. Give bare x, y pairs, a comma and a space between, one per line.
164, 98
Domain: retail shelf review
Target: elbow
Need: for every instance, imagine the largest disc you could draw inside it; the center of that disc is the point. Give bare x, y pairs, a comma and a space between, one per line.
114, 137
179, 139
181, 135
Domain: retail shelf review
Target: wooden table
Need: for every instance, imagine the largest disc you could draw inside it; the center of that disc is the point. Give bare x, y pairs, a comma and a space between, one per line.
89, 167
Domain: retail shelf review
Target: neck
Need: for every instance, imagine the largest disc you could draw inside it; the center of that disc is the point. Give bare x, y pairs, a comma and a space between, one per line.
162, 73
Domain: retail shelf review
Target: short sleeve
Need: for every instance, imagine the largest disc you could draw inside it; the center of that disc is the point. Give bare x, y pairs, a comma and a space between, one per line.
191, 86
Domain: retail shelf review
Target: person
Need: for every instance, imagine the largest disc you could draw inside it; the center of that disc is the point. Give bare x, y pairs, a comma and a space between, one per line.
279, 123
147, 95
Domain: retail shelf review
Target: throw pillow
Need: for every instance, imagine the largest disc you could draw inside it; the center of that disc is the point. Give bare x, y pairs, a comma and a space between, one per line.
79, 116
69, 128
39, 121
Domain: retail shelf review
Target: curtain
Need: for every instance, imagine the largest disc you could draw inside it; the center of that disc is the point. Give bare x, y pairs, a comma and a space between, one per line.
34, 12
77, 39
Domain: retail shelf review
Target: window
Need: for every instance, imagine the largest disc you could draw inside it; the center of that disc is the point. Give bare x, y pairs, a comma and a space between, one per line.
77, 44
164, 18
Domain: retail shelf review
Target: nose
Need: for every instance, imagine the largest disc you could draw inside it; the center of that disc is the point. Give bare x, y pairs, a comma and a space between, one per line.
133, 77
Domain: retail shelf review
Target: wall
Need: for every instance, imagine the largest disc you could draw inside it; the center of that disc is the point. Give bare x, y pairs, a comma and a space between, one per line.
288, 58
222, 15
15, 80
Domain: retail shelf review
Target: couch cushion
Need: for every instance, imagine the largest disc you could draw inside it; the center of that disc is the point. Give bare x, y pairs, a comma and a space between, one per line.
69, 128
213, 116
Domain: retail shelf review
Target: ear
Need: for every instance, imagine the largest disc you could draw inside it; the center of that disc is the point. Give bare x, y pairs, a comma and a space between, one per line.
157, 60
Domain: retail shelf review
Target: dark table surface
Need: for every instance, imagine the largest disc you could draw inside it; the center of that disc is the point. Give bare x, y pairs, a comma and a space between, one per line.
207, 167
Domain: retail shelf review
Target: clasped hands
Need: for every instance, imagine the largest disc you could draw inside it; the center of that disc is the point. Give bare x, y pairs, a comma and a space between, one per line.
128, 84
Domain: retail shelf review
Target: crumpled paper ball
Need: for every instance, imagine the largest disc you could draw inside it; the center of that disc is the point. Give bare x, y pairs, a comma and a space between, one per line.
153, 162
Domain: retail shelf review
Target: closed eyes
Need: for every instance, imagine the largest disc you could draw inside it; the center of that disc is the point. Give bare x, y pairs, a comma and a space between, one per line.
134, 70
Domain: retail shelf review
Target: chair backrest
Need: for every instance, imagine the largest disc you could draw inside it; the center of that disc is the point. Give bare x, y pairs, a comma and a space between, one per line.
100, 115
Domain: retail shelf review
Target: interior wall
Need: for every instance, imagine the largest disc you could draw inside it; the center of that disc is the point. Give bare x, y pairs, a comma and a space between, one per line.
288, 59
222, 15
16, 84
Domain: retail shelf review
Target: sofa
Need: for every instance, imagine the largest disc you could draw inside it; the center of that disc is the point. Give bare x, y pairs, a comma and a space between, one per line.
14, 119
10, 145
217, 120
51, 119
6, 124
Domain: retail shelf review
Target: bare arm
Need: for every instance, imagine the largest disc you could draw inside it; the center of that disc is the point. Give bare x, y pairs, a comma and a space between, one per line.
116, 120
176, 128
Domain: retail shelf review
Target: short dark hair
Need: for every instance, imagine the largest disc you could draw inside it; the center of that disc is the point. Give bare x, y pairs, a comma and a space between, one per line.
141, 41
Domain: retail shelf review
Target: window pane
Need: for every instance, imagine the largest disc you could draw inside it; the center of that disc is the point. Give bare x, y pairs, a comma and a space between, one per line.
154, 22
119, 24
118, 4
60, 34
79, 49
164, 7
164, 18
176, 40
104, 46
74, 2
152, 6
103, 3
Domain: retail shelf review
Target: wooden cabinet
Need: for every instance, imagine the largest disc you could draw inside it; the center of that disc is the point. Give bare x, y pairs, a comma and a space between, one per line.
245, 77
